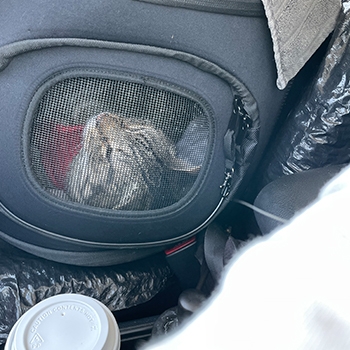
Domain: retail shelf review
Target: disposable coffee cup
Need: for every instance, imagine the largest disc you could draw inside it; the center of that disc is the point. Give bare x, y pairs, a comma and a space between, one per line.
66, 321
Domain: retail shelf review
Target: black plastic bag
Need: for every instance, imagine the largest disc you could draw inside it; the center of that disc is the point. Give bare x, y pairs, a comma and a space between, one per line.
26, 280
317, 132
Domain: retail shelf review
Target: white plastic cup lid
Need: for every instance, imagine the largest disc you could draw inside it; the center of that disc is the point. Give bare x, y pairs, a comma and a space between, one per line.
66, 321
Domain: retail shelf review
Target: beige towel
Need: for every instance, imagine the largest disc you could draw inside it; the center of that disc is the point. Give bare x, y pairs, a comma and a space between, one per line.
298, 28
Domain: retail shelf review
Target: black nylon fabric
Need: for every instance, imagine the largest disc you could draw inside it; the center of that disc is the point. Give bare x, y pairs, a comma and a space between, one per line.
240, 45
233, 7
216, 56
74, 254
288, 195
26, 280
115, 228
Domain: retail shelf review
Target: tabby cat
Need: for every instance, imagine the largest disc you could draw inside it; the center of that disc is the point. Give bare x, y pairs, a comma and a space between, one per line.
124, 164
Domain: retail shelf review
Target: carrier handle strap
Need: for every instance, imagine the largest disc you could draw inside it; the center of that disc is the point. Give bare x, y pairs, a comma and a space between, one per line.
218, 249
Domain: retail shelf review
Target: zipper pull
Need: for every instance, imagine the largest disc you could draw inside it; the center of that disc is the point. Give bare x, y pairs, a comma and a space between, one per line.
243, 119
226, 186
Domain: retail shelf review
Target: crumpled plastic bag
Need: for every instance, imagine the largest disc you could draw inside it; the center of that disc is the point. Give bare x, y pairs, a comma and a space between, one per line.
26, 280
317, 132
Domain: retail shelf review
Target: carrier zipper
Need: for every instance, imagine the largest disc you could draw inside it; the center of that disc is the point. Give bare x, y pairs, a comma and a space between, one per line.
244, 121
234, 137
226, 186
239, 124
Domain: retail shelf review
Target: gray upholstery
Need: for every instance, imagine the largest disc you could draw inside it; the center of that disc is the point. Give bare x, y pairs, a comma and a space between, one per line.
287, 195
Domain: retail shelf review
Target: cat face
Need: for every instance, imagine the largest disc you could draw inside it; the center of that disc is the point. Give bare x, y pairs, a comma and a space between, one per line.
122, 164
106, 135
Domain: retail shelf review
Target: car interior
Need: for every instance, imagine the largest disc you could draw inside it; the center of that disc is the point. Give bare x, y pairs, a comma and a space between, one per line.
145, 142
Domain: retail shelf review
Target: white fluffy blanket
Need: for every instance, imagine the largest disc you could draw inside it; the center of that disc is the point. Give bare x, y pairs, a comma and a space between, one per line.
289, 290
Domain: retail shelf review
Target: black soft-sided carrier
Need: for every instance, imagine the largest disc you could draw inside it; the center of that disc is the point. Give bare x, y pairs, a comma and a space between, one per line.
127, 126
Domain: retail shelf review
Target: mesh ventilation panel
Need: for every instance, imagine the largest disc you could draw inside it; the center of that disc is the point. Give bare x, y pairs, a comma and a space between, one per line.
117, 144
